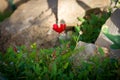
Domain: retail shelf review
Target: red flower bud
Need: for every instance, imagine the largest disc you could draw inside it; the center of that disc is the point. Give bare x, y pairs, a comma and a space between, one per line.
59, 29
15, 49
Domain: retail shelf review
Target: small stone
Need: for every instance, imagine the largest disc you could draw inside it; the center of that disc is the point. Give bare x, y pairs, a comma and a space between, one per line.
91, 49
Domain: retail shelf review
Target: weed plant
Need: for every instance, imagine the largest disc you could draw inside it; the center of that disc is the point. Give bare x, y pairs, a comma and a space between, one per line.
55, 64
90, 28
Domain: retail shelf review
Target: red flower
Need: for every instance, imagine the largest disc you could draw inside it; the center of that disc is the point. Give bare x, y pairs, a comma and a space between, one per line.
59, 29
15, 49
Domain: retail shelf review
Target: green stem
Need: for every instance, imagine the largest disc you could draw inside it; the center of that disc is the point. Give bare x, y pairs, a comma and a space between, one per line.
77, 40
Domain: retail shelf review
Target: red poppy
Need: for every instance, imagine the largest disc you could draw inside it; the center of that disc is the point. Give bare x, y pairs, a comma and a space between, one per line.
59, 29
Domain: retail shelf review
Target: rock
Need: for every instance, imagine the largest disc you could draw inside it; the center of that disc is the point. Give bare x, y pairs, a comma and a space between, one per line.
113, 24
30, 23
66, 35
69, 10
3, 5
114, 28
88, 51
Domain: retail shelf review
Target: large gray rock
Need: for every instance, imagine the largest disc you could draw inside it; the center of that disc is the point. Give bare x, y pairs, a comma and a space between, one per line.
31, 22
84, 54
84, 51
113, 24
69, 10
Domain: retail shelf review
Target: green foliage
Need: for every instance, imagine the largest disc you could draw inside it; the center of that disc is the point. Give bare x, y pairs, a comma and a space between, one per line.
97, 69
115, 39
54, 64
4, 15
34, 65
90, 28
101, 51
